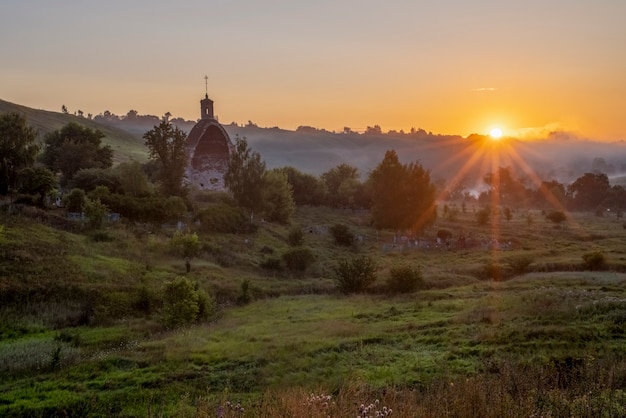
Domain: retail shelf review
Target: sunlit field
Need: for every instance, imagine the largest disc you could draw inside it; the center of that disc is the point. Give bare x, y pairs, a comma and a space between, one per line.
523, 326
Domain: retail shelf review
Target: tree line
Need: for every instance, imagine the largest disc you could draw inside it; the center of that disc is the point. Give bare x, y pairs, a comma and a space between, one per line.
398, 196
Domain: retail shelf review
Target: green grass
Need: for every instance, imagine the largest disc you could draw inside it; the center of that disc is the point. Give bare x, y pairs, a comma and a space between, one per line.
81, 322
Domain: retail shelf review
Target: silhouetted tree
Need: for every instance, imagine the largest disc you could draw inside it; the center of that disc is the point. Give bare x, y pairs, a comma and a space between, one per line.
18, 149
403, 196
167, 146
588, 191
306, 188
342, 185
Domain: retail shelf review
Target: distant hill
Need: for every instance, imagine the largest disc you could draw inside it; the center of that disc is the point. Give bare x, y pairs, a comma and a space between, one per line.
126, 146
450, 157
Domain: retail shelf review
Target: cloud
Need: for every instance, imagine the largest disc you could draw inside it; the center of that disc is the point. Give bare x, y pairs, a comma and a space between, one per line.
485, 89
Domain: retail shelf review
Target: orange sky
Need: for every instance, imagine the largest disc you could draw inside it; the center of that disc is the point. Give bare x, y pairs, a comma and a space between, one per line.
451, 66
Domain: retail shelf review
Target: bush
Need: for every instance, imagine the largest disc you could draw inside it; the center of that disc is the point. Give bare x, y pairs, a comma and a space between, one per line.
355, 275
185, 245
594, 261
520, 264
342, 235
298, 259
75, 201
295, 237
556, 216
184, 303
404, 280
95, 211
222, 218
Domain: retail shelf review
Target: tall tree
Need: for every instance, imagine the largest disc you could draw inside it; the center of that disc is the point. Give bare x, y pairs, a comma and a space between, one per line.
245, 176
167, 146
403, 197
18, 149
75, 147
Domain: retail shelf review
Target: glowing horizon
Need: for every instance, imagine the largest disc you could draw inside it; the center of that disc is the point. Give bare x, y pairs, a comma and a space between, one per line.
330, 65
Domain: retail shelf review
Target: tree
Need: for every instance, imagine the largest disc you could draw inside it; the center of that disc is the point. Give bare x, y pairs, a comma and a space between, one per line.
167, 146
556, 216
133, 179
18, 149
75, 147
589, 190
277, 197
307, 189
245, 176
38, 181
505, 187
403, 196
342, 185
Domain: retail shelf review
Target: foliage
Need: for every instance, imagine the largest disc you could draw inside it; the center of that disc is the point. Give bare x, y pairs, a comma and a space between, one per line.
167, 147
342, 186
277, 197
354, 275
185, 245
244, 296
18, 149
37, 181
96, 212
589, 190
444, 234
404, 279
403, 196
295, 237
342, 235
133, 179
153, 209
222, 217
298, 259
519, 264
245, 176
75, 200
184, 303
556, 216
306, 188
507, 189
88, 179
594, 261
75, 147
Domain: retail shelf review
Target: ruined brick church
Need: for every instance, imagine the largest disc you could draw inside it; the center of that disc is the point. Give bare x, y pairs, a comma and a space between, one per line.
208, 150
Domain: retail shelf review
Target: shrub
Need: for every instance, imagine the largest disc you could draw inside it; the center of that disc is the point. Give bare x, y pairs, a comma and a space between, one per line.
295, 237
594, 261
185, 245
95, 211
244, 297
222, 218
75, 201
493, 270
298, 259
519, 264
184, 303
355, 275
556, 216
404, 280
444, 234
342, 235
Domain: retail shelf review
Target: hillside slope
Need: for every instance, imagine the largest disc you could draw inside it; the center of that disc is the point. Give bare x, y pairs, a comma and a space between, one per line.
125, 145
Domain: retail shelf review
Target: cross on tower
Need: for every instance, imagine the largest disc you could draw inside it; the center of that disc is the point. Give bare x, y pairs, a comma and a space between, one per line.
206, 85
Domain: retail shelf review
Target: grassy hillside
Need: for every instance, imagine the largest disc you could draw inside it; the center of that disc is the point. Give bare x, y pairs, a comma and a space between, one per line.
125, 145
81, 329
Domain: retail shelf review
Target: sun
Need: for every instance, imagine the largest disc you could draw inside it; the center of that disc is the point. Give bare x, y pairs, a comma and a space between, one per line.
495, 133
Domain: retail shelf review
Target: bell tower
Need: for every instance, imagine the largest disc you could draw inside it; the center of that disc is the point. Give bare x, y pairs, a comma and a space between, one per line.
206, 104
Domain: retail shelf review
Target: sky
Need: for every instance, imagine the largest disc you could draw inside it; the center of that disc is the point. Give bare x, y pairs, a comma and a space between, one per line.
448, 66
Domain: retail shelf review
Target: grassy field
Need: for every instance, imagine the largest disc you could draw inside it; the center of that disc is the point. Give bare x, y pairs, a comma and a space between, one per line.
521, 328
